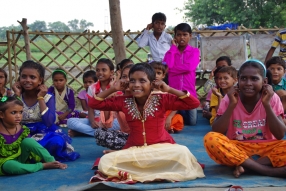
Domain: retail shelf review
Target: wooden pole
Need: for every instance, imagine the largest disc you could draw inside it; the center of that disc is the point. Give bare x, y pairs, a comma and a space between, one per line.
9, 57
26, 38
116, 30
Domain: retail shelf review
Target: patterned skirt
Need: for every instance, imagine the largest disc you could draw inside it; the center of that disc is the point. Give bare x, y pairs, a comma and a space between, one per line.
111, 139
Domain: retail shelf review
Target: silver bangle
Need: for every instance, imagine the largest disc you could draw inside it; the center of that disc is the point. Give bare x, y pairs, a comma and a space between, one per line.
45, 111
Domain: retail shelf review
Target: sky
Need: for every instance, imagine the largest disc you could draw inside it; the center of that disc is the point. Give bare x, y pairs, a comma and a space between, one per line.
135, 14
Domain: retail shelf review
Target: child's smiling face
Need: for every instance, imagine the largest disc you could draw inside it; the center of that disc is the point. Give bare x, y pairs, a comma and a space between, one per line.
103, 72
277, 72
224, 80
250, 81
30, 79
139, 84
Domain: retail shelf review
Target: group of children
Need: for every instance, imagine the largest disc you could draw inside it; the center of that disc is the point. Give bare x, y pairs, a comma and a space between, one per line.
133, 111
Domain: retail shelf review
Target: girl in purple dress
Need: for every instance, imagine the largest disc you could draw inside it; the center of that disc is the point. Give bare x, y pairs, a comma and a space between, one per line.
65, 102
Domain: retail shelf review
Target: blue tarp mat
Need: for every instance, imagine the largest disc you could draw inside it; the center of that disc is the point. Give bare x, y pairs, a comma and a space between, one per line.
78, 173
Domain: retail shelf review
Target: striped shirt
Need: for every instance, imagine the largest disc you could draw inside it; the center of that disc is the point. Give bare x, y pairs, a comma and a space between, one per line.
280, 40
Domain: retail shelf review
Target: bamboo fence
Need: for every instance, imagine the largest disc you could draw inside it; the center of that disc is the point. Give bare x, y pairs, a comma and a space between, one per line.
79, 52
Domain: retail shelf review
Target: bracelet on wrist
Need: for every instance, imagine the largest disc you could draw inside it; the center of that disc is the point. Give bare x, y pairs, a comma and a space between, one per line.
98, 98
38, 98
184, 96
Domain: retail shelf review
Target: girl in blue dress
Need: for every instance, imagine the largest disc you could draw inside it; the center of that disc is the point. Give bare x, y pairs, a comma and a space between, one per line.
39, 113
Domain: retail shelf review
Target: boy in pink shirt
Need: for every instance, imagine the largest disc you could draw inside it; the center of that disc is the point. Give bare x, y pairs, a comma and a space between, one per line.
182, 60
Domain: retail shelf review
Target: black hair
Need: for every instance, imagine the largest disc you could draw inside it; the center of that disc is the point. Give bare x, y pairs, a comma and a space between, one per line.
276, 60
224, 58
5, 74
123, 63
125, 67
160, 66
33, 65
10, 99
159, 17
185, 27
144, 67
90, 73
255, 64
107, 62
59, 71
229, 70
269, 77
217, 70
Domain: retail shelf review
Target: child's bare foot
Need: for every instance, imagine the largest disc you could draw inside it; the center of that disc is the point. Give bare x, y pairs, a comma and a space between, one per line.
108, 151
72, 133
55, 164
238, 171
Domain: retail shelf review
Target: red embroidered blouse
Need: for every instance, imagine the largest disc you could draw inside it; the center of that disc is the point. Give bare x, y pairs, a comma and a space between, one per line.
149, 128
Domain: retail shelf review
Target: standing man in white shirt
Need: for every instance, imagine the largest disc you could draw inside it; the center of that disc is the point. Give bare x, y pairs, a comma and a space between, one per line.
159, 41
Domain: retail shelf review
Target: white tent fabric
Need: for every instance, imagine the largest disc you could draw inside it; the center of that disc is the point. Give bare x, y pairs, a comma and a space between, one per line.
194, 42
214, 47
260, 45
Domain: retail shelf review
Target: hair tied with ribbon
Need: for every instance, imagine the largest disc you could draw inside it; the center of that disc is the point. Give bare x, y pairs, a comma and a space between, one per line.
4, 99
60, 70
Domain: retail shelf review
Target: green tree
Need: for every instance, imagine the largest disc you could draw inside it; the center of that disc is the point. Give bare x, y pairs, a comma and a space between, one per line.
83, 24
250, 13
38, 25
73, 24
79, 26
58, 27
4, 29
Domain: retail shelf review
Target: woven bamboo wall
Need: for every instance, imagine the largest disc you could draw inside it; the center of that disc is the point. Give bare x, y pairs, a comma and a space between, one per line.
78, 52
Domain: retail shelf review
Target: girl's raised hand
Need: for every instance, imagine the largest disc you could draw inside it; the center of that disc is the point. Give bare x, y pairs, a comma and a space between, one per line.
267, 93
233, 95
121, 85
216, 92
161, 85
43, 90
212, 73
17, 88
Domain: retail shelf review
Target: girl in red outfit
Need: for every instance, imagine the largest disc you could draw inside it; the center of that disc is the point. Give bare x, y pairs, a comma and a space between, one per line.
150, 152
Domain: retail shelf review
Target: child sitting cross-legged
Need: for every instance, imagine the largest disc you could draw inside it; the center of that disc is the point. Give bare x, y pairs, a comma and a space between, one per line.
225, 77
65, 102
16, 145
150, 153
104, 72
249, 123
